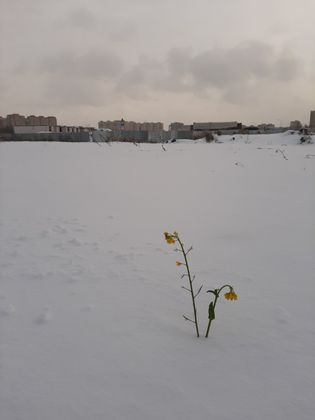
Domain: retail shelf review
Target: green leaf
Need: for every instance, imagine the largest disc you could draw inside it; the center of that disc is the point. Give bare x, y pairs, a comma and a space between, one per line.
211, 314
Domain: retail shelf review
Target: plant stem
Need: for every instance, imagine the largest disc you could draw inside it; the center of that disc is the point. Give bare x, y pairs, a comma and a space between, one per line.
191, 286
214, 303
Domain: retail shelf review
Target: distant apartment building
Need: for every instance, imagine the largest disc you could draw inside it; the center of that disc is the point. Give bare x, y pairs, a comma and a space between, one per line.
151, 126
312, 121
295, 125
130, 125
15, 120
33, 120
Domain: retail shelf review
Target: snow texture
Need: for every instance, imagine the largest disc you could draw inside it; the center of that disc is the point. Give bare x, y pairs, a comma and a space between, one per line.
91, 302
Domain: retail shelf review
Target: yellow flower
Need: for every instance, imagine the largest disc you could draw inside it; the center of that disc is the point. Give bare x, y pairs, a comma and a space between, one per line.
231, 295
169, 238
178, 263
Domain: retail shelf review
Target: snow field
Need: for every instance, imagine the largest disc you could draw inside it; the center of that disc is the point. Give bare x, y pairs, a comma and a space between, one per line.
90, 299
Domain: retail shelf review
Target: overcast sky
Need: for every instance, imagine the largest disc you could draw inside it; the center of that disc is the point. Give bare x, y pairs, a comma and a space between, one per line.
158, 60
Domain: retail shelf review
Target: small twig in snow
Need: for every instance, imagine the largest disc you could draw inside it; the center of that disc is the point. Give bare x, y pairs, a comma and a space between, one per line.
188, 319
282, 152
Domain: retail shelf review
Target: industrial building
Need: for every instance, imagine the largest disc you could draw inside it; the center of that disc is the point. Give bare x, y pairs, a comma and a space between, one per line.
215, 126
312, 121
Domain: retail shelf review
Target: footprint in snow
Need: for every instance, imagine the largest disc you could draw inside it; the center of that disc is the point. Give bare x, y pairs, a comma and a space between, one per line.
61, 230
13, 254
79, 229
121, 257
21, 238
88, 308
75, 242
45, 317
44, 233
6, 309
282, 315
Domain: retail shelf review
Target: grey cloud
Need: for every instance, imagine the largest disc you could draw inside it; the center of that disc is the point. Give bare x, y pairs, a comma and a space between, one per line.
287, 68
242, 64
144, 75
82, 18
227, 70
3, 88
137, 76
92, 64
74, 92
80, 79
230, 73
178, 60
112, 28
178, 70
312, 73
241, 94
167, 75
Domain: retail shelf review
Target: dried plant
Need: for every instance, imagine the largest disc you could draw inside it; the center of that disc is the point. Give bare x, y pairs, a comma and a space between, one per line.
173, 239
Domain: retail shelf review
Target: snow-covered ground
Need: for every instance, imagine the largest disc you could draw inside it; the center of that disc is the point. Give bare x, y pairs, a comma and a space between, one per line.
91, 302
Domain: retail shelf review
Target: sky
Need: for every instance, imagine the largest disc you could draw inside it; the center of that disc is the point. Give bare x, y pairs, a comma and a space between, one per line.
252, 61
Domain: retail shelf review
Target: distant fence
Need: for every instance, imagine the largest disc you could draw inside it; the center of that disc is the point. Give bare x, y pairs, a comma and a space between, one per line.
138, 136
130, 135
80, 137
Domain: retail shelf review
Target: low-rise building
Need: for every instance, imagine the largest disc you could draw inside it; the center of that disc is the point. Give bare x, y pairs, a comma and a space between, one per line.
27, 129
65, 129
